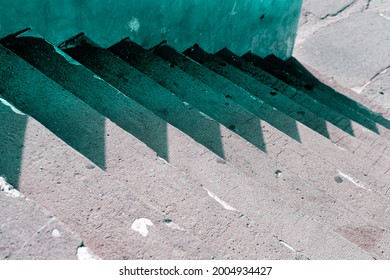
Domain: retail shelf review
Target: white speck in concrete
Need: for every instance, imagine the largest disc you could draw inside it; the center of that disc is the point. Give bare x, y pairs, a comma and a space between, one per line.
384, 16
134, 24
339, 147
84, 254
353, 181
67, 57
360, 89
141, 226
56, 233
288, 246
172, 225
220, 201
8, 189
6, 103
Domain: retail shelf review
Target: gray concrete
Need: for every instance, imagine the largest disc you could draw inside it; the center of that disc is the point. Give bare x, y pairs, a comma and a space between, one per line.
28, 231
327, 8
273, 217
348, 42
351, 60
298, 200
378, 90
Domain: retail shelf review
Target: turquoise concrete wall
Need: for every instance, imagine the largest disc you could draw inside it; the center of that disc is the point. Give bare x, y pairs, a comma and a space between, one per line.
262, 26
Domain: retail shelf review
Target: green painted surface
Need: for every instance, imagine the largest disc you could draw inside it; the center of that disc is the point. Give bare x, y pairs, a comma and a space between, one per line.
262, 26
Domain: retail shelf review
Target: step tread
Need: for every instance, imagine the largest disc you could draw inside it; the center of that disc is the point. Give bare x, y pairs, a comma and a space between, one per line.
31, 232
282, 211
256, 106
212, 165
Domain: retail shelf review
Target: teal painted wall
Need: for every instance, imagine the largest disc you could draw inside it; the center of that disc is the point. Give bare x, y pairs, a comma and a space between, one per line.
262, 26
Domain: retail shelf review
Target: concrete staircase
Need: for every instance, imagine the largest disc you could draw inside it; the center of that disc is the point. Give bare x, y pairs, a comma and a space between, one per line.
156, 154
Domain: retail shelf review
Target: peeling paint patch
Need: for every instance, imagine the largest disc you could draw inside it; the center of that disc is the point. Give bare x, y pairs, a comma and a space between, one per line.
134, 24
220, 201
8, 189
141, 226
234, 12
353, 181
16, 111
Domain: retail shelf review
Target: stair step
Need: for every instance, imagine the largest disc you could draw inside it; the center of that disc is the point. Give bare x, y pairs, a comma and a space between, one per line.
362, 119
223, 179
266, 113
95, 58
151, 175
30, 232
79, 193
276, 214
370, 146
295, 74
339, 158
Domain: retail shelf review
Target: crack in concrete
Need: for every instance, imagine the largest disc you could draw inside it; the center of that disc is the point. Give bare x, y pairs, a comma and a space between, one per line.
368, 4
360, 88
35, 234
339, 11
314, 24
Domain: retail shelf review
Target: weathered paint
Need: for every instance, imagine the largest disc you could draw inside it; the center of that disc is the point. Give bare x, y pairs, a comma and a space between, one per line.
264, 27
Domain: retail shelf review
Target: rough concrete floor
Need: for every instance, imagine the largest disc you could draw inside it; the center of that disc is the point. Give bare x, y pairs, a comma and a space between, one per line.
348, 41
343, 41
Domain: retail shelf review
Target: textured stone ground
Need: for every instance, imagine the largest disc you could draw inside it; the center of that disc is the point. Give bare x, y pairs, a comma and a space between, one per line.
349, 42
151, 155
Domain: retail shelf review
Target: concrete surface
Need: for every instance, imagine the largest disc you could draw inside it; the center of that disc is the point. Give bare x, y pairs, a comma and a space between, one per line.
349, 42
28, 231
132, 176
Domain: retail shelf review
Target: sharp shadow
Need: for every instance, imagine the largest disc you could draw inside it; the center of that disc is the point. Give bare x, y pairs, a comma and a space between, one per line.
231, 91
147, 92
268, 95
12, 131
319, 110
87, 86
61, 112
192, 91
295, 74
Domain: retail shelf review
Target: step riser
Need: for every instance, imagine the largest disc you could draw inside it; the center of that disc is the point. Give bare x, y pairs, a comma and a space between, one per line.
362, 148
95, 56
291, 72
91, 204
211, 79
317, 205
279, 121
250, 206
129, 166
330, 152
